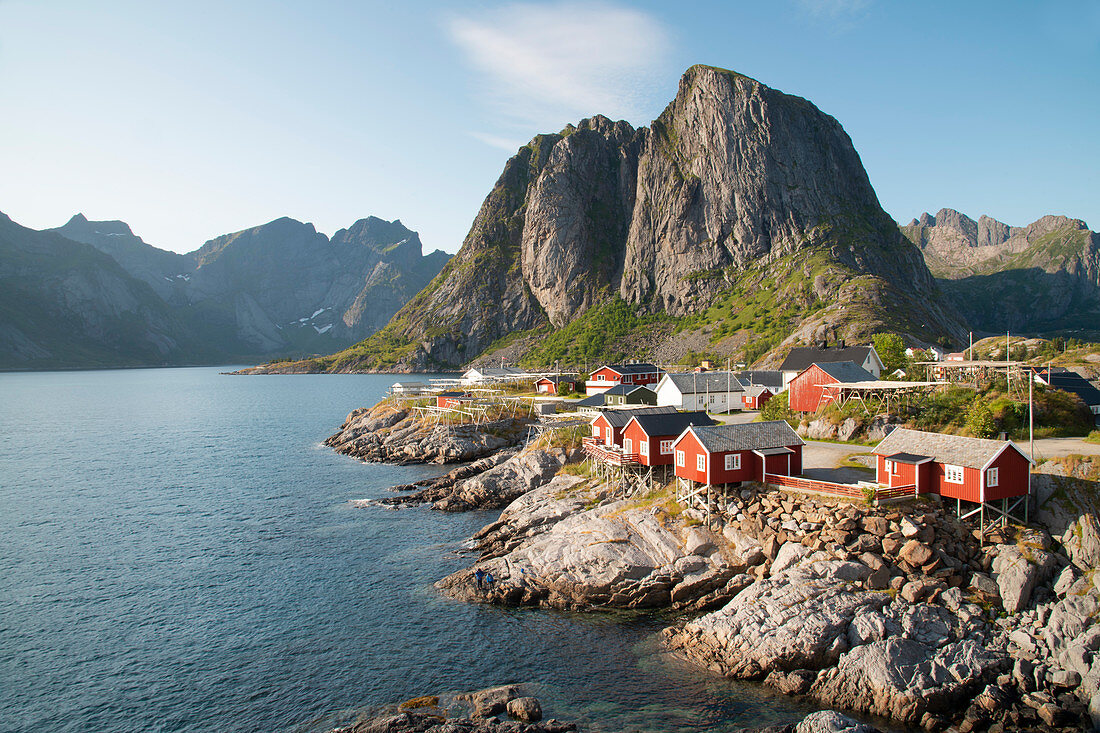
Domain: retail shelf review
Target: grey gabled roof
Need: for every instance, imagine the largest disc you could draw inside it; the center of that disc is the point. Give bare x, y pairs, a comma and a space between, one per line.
619, 418
846, 371
747, 436
702, 382
956, 450
638, 368
801, 357
671, 423
626, 389
596, 400
752, 390
771, 379
1076, 384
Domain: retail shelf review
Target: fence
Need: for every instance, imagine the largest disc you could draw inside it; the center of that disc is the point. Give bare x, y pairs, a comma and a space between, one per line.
852, 491
610, 454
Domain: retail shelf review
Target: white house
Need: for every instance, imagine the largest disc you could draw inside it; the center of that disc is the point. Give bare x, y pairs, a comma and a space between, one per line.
711, 391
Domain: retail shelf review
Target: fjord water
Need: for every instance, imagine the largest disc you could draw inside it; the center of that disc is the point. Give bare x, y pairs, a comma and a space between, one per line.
177, 553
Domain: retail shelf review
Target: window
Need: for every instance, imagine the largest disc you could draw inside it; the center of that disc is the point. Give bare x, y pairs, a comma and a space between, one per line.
992, 476
666, 448
953, 474
643, 447
628, 446
701, 462
601, 378
679, 458
733, 461
889, 466
595, 431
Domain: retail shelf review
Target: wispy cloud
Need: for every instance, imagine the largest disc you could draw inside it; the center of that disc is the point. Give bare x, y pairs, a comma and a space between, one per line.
497, 141
549, 64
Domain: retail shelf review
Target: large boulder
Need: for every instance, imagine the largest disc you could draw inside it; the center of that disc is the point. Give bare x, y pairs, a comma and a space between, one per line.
902, 678
830, 721
1082, 542
797, 621
1016, 570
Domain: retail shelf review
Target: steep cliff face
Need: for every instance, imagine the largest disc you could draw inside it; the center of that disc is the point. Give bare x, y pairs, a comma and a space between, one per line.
1042, 276
734, 180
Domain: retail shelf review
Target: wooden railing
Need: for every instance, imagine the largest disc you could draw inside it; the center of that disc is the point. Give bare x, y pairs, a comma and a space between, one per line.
830, 487
610, 454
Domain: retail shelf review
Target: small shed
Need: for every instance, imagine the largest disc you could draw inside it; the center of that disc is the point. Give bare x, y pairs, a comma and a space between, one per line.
555, 385
450, 399
651, 436
755, 396
810, 390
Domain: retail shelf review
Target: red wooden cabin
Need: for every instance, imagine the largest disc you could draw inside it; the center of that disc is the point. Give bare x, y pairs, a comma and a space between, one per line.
611, 375
725, 454
810, 390
651, 436
969, 469
450, 399
755, 397
608, 426
555, 385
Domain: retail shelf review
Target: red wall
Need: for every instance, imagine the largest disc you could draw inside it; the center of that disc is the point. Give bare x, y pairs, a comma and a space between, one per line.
757, 402
1013, 479
806, 390
751, 464
637, 435
617, 435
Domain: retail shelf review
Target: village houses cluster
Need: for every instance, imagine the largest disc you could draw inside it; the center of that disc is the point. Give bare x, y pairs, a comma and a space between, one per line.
643, 418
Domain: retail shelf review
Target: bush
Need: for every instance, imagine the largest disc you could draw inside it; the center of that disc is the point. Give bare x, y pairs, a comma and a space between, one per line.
979, 420
777, 408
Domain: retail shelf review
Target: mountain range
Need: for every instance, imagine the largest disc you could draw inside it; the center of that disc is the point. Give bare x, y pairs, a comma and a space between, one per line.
738, 223
1042, 277
91, 293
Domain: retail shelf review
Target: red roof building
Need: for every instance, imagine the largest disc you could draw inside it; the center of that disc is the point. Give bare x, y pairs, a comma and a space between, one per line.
608, 426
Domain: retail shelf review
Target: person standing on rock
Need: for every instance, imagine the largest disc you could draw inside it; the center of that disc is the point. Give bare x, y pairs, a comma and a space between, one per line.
489, 580
479, 575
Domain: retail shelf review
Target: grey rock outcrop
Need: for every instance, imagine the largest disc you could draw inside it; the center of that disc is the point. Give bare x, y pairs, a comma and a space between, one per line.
396, 434
732, 176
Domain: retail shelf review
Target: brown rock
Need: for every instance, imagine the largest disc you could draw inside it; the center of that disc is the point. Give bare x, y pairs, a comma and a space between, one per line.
877, 526
915, 553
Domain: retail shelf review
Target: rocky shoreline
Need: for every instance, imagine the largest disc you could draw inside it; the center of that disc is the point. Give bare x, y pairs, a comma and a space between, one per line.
900, 612
395, 433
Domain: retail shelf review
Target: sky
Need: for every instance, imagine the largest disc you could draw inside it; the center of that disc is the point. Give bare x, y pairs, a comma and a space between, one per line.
192, 120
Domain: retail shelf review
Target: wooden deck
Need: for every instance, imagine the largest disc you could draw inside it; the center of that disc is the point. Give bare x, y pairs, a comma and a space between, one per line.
611, 455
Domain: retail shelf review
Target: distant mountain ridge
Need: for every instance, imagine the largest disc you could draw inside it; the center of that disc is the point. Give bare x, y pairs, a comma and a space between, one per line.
741, 211
280, 288
1045, 276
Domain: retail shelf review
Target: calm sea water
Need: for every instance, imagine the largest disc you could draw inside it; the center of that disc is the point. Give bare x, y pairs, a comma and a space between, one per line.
177, 553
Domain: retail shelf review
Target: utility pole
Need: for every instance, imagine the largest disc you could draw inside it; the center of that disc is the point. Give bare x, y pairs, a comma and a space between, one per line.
1030, 420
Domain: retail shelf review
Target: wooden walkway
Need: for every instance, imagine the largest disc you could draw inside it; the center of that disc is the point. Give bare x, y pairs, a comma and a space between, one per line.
854, 491
611, 455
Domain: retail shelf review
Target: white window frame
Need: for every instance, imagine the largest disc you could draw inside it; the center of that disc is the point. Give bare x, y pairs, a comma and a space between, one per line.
680, 458
735, 463
601, 378
666, 447
992, 476
595, 431
643, 448
953, 474
889, 465
894, 468
627, 445
701, 462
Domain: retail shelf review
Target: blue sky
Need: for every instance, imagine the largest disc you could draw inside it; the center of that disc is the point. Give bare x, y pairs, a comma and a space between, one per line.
190, 120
